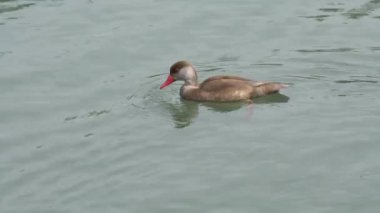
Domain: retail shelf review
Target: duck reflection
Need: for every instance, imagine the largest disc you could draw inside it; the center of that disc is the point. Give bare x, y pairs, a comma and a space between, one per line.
184, 112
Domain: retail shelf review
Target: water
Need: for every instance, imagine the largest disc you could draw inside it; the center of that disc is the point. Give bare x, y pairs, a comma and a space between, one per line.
84, 127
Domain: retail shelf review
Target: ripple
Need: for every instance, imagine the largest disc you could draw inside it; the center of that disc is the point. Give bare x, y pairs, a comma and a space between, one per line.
3, 53
331, 9
364, 76
333, 50
156, 75
363, 10
374, 48
90, 114
317, 17
11, 8
211, 69
355, 81
98, 113
227, 58
88, 135
267, 64
70, 118
312, 77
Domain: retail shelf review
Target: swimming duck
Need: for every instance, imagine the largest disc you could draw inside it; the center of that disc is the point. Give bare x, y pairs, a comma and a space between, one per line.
217, 88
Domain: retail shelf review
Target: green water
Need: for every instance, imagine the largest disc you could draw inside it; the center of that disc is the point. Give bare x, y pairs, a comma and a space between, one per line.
84, 127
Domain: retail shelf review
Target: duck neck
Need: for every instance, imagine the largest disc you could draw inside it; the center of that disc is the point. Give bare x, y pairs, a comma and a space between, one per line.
191, 82
189, 89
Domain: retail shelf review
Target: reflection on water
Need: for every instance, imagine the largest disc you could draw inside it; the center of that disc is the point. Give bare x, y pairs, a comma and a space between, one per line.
224, 107
184, 112
270, 99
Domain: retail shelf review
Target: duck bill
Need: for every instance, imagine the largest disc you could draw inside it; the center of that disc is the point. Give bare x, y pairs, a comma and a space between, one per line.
168, 81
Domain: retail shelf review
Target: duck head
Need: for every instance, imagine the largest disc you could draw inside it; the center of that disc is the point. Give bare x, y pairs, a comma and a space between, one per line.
181, 71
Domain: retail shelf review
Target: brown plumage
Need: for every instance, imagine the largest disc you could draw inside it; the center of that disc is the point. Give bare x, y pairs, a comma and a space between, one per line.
217, 88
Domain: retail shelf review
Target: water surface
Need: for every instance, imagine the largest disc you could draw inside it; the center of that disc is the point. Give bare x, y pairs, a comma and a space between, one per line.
84, 127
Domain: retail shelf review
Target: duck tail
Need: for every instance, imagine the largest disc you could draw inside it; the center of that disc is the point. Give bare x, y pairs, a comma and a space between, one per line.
269, 88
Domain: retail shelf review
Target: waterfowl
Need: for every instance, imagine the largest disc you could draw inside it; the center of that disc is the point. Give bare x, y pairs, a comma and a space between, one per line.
217, 88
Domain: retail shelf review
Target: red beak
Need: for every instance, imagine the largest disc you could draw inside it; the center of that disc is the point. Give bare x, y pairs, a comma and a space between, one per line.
168, 81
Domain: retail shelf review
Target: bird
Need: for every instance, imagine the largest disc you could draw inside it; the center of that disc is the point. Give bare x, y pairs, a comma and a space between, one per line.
217, 88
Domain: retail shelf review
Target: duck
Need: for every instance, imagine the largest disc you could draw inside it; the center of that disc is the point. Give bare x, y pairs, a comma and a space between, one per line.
217, 88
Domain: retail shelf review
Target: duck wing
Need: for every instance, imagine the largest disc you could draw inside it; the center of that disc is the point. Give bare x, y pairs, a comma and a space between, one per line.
222, 82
